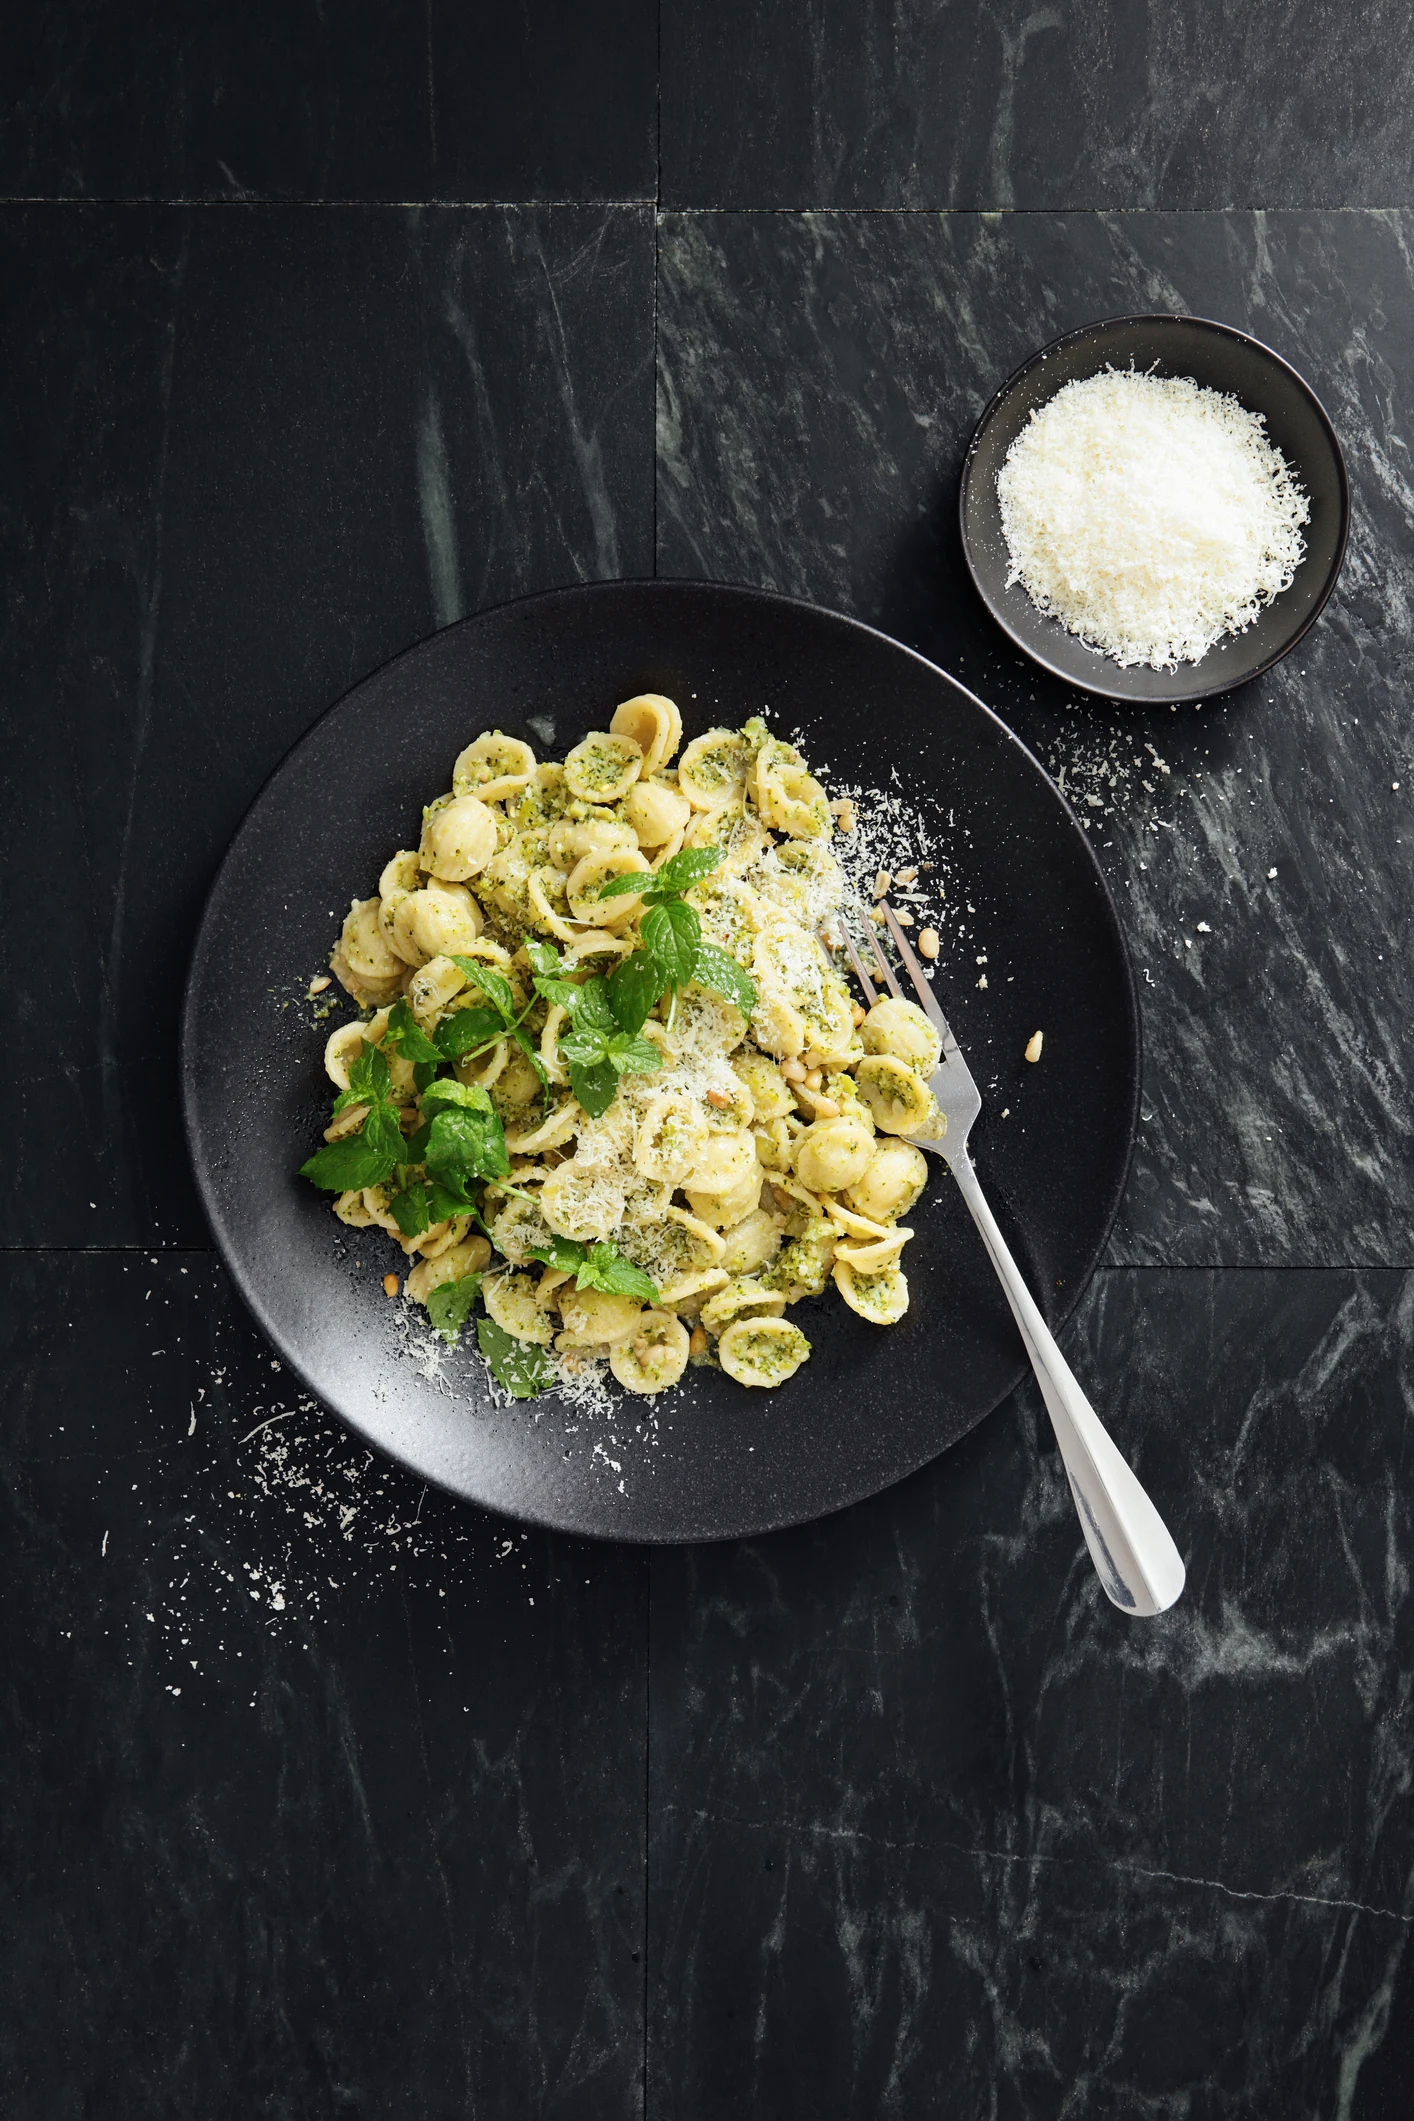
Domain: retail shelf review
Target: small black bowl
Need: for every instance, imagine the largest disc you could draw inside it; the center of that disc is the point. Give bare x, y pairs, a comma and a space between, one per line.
1219, 358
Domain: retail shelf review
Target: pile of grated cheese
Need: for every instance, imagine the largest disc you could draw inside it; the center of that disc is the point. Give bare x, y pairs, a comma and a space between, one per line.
1149, 515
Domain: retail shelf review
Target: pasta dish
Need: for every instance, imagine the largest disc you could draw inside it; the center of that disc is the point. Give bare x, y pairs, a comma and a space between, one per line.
607, 1082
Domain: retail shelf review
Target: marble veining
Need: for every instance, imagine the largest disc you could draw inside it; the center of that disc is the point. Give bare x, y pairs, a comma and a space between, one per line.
256, 453
819, 376
1078, 1868
1004, 103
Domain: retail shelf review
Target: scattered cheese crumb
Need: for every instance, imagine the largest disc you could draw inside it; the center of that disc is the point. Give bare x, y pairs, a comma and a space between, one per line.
928, 942
1034, 1045
1203, 928
1270, 874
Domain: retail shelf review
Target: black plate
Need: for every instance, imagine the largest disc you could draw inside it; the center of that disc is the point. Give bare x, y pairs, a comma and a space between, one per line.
712, 1460
1221, 359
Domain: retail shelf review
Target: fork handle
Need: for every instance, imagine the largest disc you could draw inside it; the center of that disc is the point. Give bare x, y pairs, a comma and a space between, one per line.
1138, 1564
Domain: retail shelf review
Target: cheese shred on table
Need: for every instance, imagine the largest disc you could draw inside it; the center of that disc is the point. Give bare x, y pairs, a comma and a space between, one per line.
1149, 515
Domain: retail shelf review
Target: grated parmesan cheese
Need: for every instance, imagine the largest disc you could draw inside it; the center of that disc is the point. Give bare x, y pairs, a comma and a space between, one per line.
1149, 515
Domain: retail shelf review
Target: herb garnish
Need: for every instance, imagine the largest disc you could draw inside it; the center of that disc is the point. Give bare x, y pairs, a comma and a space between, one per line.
373, 1154
672, 952
597, 1266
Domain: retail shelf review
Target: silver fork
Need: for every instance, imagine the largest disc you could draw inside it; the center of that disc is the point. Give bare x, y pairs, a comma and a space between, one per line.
1138, 1564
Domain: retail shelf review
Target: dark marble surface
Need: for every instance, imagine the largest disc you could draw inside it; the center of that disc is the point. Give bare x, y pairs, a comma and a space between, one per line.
324, 1795
252, 453
1124, 103
930, 1834
819, 377
409, 99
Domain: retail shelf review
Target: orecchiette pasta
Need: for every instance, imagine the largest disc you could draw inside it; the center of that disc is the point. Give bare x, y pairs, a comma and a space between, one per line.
746, 1141
459, 839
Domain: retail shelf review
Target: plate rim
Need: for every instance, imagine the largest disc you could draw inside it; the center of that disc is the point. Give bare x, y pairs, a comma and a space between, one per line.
1111, 692
202, 942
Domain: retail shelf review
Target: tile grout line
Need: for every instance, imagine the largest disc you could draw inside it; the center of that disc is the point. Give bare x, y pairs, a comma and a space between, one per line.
657, 205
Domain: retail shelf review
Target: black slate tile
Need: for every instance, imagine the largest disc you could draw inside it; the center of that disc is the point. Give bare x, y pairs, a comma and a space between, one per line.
323, 1793
252, 453
936, 1830
363, 102
903, 103
819, 377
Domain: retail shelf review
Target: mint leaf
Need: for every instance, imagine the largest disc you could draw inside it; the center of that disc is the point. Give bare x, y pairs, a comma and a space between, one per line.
383, 1136
633, 987
596, 1052
550, 982
369, 1080
449, 1305
560, 993
600, 1266
621, 886
672, 932
462, 1029
628, 1054
596, 1086
423, 1073
470, 1095
411, 1210
494, 985
606, 1268
418, 1206
591, 1008
683, 871
715, 969
368, 1075
406, 1036
524, 1369
463, 1148
348, 1166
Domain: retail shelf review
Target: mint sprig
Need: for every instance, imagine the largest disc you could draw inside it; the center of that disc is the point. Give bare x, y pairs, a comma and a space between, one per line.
374, 1153
672, 953
466, 1143
597, 1050
598, 1266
